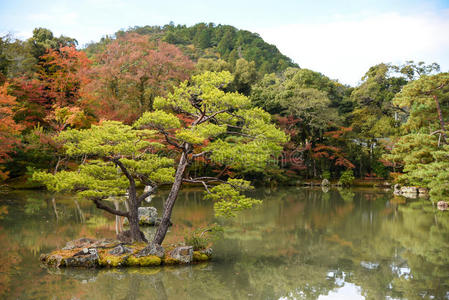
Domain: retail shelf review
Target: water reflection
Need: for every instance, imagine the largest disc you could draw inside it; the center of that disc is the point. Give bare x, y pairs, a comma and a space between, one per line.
300, 244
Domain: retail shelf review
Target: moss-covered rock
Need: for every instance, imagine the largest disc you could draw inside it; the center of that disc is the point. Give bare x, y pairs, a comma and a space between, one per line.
132, 255
109, 260
198, 256
144, 261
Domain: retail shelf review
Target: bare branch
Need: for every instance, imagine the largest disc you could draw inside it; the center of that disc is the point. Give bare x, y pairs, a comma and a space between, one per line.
206, 187
143, 196
213, 115
200, 118
200, 154
100, 204
169, 140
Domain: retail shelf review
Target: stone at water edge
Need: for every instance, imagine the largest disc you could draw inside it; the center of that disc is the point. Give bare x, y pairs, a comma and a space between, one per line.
120, 250
184, 254
207, 251
409, 190
423, 191
442, 205
325, 182
89, 260
152, 249
147, 215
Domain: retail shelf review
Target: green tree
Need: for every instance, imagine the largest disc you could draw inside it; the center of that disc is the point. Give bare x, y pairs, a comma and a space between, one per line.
114, 159
423, 151
427, 100
199, 120
43, 39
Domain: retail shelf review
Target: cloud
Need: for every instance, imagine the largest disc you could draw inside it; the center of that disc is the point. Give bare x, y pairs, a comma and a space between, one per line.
345, 49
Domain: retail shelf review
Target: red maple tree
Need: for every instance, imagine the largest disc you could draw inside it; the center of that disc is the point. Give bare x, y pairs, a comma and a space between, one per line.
9, 129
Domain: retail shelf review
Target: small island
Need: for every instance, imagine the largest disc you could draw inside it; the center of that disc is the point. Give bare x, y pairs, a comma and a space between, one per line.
91, 253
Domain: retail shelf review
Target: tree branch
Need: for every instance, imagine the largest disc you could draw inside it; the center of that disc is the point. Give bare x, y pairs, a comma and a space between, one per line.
99, 204
200, 154
124, 170
206, 187
145, 195
212, 116
169, 140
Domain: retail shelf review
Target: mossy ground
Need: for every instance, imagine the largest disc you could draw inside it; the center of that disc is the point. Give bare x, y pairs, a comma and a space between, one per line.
58, 258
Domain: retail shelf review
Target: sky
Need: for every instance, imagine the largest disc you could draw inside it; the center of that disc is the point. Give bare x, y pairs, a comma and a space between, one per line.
339, 38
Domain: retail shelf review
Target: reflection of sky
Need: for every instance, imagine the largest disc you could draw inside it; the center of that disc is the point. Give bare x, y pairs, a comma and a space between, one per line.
346, 292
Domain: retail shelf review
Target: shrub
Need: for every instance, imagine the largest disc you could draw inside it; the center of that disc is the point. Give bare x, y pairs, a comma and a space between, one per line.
200, 238
347, 178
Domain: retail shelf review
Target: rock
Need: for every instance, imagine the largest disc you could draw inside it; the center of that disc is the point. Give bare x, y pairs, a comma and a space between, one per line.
183, 254
54, 260
104, 243
423, 191
85, 250
151, 249
89, 260
120, 250
410, 195
79, 243
207, 251
325, 182
409, 190
125, 237
147, 216
442, 205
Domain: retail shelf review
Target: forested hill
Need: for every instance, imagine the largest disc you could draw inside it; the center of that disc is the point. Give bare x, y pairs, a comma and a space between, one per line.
213, 41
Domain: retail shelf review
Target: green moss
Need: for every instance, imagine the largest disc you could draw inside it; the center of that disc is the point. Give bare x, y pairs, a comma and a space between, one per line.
168, 260
198, 256
107, 260
144, 261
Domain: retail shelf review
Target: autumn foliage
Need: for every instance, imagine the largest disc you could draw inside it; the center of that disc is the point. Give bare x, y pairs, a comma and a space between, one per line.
131, 72
9, 129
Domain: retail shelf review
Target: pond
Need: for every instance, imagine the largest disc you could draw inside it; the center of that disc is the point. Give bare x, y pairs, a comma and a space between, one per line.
301, 243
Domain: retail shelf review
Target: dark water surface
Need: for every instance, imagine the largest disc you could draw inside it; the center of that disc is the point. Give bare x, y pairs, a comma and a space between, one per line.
300, 244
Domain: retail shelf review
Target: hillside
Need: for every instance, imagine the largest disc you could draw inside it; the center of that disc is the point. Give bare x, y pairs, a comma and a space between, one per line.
212, 41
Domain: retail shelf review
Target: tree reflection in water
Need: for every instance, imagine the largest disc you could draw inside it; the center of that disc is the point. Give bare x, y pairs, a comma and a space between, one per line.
300, 244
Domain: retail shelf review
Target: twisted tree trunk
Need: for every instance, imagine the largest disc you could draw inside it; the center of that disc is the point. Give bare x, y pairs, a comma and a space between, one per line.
171, 199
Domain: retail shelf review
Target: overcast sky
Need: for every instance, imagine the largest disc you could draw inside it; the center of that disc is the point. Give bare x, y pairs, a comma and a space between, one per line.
338, 38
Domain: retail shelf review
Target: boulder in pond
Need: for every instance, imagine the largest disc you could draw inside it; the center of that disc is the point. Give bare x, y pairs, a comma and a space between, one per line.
423, 191
325, 182
147, 216
183, 254
409, 190
442, 205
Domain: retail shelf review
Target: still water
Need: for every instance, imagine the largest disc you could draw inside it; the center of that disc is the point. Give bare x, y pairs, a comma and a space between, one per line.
300, 244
